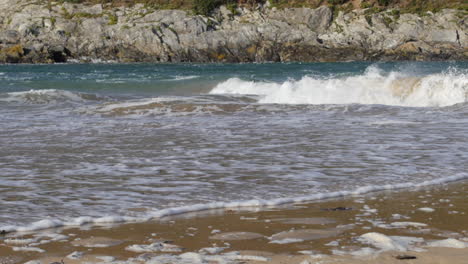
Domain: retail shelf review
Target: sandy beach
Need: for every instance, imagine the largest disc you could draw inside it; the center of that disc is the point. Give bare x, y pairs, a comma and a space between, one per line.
418, 226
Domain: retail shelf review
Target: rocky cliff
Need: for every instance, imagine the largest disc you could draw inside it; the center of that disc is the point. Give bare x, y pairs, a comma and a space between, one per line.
35, 32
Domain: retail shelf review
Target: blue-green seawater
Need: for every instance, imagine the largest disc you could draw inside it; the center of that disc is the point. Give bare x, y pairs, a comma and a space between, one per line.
84, 141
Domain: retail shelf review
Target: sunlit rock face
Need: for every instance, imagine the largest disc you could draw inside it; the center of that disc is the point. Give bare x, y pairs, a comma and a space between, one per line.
34, 32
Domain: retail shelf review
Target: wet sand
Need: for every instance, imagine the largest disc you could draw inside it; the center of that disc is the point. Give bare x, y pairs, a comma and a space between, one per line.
315, 232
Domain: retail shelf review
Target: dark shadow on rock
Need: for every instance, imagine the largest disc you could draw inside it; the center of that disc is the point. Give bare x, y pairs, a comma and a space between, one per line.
403, 257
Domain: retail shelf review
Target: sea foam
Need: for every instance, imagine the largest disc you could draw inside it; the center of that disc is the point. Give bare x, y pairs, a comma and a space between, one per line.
372, 87
157, 214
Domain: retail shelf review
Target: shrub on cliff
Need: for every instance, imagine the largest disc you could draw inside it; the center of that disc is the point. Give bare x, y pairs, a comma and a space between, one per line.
205, 7
337, 2
384, 2
73, 1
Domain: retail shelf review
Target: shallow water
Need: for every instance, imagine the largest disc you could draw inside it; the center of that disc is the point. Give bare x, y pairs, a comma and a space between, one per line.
120, 142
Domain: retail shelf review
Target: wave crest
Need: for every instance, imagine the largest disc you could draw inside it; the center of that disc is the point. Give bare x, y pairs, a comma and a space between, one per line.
372, 87
48, 96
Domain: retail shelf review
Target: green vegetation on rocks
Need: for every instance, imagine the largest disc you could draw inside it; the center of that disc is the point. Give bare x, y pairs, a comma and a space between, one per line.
126, 31
113, 19
206, 7
12, 54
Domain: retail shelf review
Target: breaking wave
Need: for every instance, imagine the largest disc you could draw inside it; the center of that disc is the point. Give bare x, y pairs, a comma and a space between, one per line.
372, 87
48, 96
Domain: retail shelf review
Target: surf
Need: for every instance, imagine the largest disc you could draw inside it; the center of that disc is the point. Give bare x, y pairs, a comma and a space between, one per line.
374, 86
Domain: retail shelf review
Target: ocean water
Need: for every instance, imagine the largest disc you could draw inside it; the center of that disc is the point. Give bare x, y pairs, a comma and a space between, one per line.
131, 142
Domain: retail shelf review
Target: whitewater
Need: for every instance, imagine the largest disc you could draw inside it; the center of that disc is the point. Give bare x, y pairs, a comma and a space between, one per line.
99, 144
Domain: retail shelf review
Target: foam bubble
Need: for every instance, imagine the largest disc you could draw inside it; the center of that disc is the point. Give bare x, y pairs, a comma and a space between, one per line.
426, 209
286, 241
183, 78
387, 243
19, 241
28, 249
406, 224
212, 250
154, 247
450, 242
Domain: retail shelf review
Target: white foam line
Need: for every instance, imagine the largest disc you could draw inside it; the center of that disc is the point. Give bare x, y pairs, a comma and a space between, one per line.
53, 223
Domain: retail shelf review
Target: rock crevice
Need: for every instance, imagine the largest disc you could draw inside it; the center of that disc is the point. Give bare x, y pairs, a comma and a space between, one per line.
31, 32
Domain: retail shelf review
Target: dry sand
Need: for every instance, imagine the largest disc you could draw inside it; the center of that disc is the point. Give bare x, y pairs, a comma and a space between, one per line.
316, 232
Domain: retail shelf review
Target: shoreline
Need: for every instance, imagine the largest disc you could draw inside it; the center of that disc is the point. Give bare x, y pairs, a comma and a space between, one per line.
236, 205
229, 63
304, 231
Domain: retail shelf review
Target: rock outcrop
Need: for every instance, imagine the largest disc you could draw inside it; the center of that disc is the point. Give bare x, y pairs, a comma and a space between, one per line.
31, 32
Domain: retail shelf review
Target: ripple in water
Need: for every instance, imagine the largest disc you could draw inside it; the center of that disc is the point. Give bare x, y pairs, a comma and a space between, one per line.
73, 152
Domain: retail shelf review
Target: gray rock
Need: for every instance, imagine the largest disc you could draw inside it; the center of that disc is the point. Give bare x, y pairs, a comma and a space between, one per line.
316, 19
442, 35
320, 19
9, 37
30, 32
